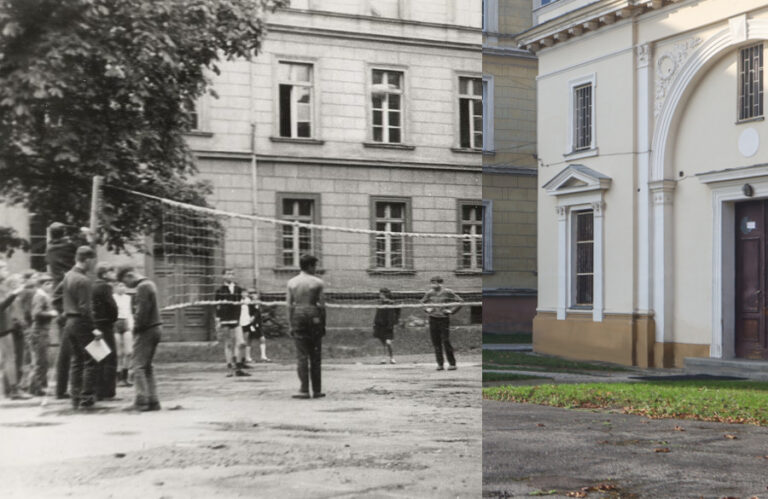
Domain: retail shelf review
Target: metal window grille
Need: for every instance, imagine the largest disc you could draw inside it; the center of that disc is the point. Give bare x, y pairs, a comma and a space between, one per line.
582, 127
295, 98
751, 82
390, 249
584, 257
471, 113
296, 241
387, 95
472, 250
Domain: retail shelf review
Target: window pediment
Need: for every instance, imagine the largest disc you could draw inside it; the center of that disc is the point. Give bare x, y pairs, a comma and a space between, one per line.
576, 179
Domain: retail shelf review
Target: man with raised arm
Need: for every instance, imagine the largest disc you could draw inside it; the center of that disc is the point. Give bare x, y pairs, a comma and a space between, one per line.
439, 320
306, 319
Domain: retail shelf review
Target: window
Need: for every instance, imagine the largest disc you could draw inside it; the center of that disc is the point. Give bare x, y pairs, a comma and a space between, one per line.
584, 252
490, 16
582, 126
38, 233
487, 113
471, 256
471, 113
387, 102
296, 240
390, 250
488, 235
751, 82
295, 97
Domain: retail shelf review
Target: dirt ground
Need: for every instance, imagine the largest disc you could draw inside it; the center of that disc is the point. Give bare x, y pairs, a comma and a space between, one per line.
531, 450
383, 432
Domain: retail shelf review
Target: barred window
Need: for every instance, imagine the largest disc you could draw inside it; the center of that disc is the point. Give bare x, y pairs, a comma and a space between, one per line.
471, 113
387, 105
584, 270
751, 82
295, 240
582, 114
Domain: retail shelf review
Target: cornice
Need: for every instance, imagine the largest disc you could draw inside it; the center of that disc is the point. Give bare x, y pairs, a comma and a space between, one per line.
585, 19
520, 171
508, 52
372, 37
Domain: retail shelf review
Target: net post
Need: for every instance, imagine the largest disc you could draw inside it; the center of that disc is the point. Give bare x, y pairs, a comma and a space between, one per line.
95, 203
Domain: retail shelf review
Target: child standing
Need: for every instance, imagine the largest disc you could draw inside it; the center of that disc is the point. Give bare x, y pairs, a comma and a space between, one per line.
384, 323
123, 332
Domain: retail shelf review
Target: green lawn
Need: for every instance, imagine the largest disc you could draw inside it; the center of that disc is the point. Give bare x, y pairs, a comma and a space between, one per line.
508, 377
494, 359
722, 401
524, 338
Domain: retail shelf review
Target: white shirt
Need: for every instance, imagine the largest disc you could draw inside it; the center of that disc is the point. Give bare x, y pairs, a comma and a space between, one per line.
245, 314
124, 308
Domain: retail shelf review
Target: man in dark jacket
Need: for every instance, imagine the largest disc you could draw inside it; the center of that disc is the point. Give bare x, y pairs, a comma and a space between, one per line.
227, 324
78, 307
146, 330
60, 257
104, 317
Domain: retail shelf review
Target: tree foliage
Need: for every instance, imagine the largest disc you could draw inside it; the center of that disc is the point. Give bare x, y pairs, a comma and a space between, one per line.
106, 87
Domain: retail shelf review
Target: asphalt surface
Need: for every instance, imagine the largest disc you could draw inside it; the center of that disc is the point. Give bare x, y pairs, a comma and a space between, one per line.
540, 450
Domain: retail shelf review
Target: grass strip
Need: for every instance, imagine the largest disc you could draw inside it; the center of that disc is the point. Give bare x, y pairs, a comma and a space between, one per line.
509, 377
720, 401
493, 338
505, 358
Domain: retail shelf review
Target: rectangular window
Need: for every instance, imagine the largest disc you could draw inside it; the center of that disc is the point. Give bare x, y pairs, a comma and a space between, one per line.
390, 249
295, 99
487, 235
38, 241
471, 224
471, 113
582, 114
584, 243
751, 82
387, 106
296, 240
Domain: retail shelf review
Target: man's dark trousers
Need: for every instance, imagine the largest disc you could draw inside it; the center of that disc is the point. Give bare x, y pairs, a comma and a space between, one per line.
18, 350
83, 367
106, 372
439, 331
308, 357
144, 348
63, 358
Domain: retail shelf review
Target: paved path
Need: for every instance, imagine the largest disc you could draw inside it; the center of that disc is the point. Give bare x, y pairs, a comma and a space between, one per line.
530, 448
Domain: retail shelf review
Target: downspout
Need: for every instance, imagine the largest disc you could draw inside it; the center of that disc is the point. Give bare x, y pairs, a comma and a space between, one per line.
254, 178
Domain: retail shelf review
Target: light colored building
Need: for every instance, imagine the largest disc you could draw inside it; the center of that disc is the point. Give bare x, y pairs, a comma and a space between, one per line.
651, 223
357, 114
509, 169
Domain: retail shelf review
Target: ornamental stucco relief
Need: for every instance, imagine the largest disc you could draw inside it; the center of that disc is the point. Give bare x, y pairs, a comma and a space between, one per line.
667, 65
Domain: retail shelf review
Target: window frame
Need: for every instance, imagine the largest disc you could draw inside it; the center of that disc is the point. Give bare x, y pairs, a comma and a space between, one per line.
740, 96
573, 260
572, 152
407, 227
488, 120
460, 223
314, 234
404, 93
314, 91
487, 235
471, 97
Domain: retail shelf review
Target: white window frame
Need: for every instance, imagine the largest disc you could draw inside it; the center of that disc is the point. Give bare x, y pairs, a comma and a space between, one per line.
312, 98
571, 151
471, 97
573, 270
314, 218
406, 225
487, 235
373, 90
201, 107
488, 123
740, 79
478, 229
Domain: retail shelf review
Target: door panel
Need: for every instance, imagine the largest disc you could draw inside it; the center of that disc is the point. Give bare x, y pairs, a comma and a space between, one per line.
750, 280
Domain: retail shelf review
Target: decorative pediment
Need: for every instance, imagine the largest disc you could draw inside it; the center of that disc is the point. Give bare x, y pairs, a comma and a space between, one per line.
577, 178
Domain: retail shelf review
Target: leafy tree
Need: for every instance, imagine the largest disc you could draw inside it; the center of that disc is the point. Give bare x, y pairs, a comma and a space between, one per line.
106, 87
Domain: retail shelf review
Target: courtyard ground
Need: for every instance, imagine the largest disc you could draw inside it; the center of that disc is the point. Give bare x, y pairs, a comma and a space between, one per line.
383, 431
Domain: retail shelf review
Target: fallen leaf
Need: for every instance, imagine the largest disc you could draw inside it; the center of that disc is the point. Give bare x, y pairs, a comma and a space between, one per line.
577, 493
661, 449
679, 428
604, 487
539, 424
731, 437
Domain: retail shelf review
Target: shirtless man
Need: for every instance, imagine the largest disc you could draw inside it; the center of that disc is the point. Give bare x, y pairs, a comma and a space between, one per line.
306, 317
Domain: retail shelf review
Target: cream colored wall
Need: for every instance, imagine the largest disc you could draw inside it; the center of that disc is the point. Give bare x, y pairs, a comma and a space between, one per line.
614, 118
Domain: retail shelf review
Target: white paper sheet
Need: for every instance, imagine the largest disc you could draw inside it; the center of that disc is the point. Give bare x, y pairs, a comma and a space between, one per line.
98, 349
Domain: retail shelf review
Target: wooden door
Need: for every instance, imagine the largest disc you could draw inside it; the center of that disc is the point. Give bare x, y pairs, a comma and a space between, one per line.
751, 280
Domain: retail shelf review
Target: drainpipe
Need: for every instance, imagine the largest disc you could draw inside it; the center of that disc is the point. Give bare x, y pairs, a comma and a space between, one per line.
254, 178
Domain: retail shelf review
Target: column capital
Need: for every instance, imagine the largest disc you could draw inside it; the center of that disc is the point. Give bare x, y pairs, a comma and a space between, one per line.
662, 191
561, 211
643, 53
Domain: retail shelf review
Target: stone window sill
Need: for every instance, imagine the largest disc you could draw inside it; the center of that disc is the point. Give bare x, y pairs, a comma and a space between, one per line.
297, 140
384, 145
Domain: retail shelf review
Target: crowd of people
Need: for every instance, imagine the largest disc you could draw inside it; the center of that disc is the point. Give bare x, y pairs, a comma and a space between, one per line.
89, 301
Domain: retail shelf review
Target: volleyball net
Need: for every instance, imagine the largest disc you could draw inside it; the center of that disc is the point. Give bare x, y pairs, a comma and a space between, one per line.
375, 248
